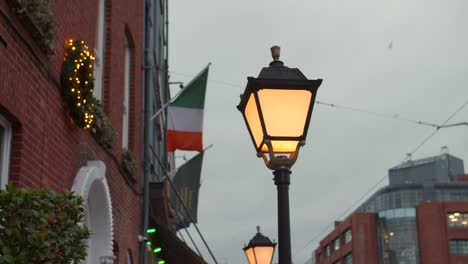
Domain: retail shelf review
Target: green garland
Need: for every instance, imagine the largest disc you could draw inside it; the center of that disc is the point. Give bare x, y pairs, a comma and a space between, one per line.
77, 83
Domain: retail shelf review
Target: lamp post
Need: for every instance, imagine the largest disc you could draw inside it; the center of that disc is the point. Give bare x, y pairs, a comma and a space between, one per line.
276, 108
260, 249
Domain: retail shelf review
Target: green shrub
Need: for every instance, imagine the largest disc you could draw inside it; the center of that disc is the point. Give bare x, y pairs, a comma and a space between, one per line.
102, 129
41, 226
129, 162
37, 14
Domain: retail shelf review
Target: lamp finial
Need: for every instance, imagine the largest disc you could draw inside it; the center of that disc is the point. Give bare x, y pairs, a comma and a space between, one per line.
258, 229
275, 53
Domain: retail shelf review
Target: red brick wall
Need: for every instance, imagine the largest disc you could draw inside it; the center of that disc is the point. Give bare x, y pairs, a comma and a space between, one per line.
48, 149
363, 245
433, 232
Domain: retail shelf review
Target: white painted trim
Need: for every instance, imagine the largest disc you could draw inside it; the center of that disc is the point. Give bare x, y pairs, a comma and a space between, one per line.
91, 183
5, 151
126, 100
99, 51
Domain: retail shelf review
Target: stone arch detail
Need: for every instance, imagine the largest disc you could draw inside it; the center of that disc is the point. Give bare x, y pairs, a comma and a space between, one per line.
91, 183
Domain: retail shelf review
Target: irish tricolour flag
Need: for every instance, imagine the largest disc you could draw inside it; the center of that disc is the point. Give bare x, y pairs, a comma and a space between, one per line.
185, 116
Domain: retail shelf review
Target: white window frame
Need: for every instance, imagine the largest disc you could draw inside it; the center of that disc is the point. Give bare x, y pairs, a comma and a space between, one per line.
126, 97
99, 51
129, 257
5, 151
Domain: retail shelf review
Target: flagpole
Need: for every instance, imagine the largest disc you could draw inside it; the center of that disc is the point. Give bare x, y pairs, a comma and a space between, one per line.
184, 207
181, 91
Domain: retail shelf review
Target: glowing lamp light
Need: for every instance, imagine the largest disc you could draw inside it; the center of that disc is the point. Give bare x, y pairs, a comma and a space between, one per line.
151, 231
277, 107
456, 214
161, 262
260, 249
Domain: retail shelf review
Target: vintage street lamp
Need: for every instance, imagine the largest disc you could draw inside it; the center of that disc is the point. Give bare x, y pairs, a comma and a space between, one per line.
260, 249
277, 107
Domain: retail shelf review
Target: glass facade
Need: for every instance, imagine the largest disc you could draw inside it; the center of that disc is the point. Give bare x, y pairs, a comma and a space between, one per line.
453, 195
398, 240
398, 213
459, 247
404, 198
396, 225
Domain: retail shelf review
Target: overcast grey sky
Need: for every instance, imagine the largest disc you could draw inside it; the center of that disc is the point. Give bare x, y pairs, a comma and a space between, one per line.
423, 76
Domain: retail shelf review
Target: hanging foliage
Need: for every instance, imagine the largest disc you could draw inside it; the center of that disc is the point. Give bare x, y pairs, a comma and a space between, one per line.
101, 128
39, 19
77, 82
129, 163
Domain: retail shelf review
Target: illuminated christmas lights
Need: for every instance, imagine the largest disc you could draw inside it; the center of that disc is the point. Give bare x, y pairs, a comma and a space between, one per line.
77, 82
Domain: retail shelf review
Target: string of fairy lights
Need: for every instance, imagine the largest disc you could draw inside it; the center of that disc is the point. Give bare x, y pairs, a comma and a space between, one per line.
78, 82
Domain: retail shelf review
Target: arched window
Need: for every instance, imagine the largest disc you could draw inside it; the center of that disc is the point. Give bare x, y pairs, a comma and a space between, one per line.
99, 51
5, 145
126, 100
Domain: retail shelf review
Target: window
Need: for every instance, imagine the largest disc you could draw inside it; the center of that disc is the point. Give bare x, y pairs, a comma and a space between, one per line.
457, 220
348, 236
348, 259
126, 100
99, 51
5, 144
327, 250
336, 244
129, 257
459, 247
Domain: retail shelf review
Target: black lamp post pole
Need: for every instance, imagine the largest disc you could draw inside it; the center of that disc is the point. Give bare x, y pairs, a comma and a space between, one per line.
282, 180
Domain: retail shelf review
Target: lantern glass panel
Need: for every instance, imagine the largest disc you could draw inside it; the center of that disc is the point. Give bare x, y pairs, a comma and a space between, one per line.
253, 120
284, 111
264, 254
281, 146
250, 255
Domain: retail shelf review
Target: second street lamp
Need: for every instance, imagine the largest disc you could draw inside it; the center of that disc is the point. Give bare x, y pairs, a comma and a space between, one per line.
277, 107
260, 249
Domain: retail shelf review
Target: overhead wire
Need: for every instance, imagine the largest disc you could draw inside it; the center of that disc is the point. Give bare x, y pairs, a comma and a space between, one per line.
444, 124
437, 127
423, 142
338, 106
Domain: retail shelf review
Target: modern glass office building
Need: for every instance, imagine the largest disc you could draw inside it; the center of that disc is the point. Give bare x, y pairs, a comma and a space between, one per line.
437, 182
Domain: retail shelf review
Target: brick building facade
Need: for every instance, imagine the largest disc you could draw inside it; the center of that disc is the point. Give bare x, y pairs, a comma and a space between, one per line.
421, 217
41, 146
355, 238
